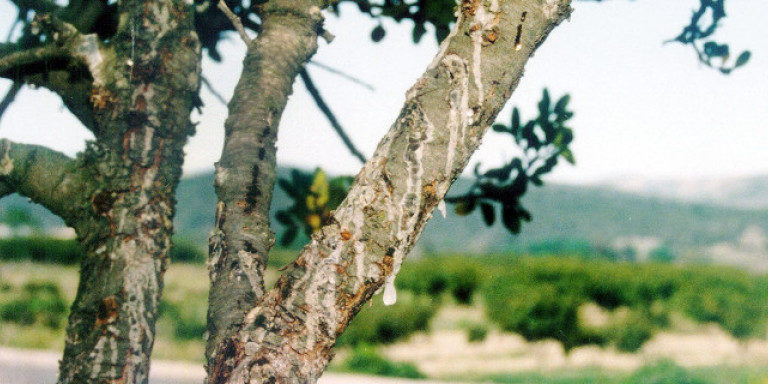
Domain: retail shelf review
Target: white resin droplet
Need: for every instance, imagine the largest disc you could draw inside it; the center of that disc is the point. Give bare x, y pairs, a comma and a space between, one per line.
390, 293
441, 208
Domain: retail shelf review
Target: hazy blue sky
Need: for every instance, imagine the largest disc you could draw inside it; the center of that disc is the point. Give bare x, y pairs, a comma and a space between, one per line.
642, 108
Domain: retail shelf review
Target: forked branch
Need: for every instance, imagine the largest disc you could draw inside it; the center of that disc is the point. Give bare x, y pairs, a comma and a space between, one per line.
288, 337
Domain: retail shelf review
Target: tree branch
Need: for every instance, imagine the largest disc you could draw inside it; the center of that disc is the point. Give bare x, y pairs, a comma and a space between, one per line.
235, 22
71, 64
9, 97
18, 64
310, 85
288, 337
343, 75
48, 177
245, 174
39, 6
213, 90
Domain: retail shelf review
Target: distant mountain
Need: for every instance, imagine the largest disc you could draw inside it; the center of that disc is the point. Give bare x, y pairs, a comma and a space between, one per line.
563, 216
742, 192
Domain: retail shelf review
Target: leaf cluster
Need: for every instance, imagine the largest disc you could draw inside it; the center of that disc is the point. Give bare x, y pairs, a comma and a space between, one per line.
314, 197
543, 141
704, 23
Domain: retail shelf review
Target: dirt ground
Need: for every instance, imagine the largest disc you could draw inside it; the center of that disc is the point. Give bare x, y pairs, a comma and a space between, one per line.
448, 353
20, 366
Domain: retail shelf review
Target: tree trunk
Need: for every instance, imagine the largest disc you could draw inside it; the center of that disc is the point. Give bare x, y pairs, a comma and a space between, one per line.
289, 335
245, 175
144, 85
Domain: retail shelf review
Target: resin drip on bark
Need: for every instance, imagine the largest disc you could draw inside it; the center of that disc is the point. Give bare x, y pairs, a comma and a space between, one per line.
288, 336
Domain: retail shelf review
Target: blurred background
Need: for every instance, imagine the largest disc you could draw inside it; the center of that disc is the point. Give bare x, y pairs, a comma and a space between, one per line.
646, 261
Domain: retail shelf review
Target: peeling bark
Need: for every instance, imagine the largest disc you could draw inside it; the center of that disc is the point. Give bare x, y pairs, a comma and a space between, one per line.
245, 175
143, 86
288, 336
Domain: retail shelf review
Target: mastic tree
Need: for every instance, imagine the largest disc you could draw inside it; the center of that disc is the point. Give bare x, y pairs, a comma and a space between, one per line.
130, 72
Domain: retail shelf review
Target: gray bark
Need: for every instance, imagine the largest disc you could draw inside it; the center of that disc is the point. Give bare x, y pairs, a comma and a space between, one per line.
245, 175
288, 336
142, 99
135, 93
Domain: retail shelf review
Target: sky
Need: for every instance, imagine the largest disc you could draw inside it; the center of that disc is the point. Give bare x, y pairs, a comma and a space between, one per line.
642, 108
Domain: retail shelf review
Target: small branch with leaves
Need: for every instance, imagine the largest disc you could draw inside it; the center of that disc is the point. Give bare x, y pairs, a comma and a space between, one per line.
543, 141
699, 30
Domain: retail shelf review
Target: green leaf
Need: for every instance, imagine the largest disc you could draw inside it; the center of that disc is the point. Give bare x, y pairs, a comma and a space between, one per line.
515, 121
378, 33
742, 59
284, 218
501, 128
510, 219
489, 216
289, 235
562, 104
524, 214
546, 167
418, 32
288, 188
568, 156
544, 104
529, 135
465, 207
713, 49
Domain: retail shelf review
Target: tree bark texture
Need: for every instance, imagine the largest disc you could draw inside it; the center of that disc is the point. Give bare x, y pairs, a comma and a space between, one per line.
135, 92
288, 336
245, 174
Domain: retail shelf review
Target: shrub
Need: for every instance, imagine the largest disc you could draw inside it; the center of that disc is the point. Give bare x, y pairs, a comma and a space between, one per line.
662, 254
633, 333
433, 276
184, 251
39, 302
538, 298
735, 301
423, 278
476, 333
463, 280
365, 359
385, 324
67, 252
40, 249
664, 372
189, 321
536, 312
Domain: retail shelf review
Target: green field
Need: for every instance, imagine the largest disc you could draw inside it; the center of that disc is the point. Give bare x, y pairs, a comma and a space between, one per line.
481, 299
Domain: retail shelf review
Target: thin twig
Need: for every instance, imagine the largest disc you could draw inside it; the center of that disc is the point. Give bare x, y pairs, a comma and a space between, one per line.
13, 28
337, 72
236, 22
12, 64
10, 96
213, 91
310, 85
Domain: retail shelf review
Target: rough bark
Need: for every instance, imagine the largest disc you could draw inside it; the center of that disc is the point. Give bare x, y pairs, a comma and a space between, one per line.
66, 65
245, 174
47, 177
144, 82
288, 336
